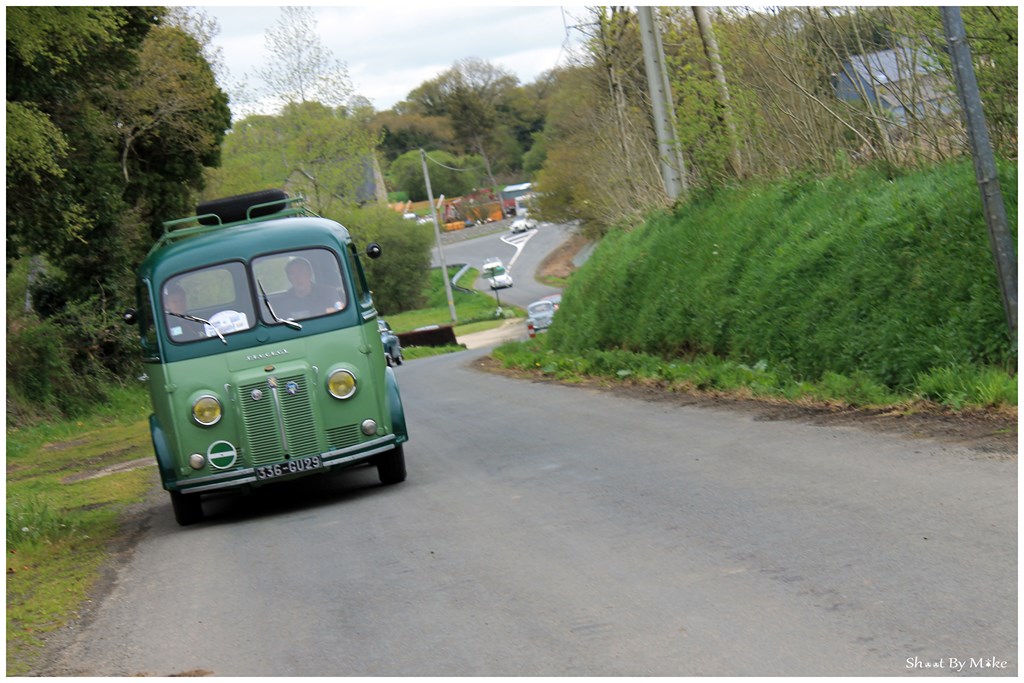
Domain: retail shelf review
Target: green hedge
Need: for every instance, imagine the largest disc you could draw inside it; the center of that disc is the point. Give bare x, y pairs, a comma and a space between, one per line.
888, 278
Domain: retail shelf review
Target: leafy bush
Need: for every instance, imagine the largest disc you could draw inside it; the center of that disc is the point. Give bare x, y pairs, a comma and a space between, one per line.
397, 278
64, 368
870, 278
35, 359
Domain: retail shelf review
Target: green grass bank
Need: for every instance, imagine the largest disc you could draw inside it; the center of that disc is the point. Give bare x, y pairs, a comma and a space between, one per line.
883, 281
69, 483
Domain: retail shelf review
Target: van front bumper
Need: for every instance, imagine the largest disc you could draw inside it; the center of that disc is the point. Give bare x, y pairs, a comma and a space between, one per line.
243, 476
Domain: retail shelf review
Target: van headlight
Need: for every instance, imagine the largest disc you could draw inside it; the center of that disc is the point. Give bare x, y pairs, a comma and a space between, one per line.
206, 410
341, 384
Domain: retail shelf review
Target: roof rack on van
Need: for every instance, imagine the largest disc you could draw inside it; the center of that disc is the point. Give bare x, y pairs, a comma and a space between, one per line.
229, 212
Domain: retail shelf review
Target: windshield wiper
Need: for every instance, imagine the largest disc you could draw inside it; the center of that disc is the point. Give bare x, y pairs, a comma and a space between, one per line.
270, 308
186, 316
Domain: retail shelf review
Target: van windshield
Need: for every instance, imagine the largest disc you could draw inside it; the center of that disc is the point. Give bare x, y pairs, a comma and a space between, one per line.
208, 302
299, 285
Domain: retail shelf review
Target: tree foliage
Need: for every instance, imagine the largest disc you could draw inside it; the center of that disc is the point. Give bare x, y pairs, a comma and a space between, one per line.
487, 111
601, 165
784, 118
401, 133
992, 35
322, 153
172, 97
104, 142
399, 277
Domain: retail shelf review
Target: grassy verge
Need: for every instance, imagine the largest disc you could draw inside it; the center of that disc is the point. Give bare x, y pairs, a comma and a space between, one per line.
959, 388
65, 499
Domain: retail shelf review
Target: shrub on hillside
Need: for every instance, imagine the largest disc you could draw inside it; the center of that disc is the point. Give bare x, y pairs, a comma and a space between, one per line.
884, 279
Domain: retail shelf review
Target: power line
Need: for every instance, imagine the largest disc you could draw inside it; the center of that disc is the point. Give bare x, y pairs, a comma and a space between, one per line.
478, 169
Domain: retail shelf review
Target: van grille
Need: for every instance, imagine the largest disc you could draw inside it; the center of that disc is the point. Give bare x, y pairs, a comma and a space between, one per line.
263, 421
342, 437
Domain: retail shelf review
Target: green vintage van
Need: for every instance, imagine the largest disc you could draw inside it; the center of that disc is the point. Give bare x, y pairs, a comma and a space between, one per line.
259, 340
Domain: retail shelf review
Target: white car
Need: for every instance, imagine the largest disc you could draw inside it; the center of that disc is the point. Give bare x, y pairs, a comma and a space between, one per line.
495, 274
522, 225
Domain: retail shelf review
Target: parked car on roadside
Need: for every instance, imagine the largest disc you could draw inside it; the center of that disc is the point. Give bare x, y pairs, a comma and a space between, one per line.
541, 312
522, 225
494, 272
392, 346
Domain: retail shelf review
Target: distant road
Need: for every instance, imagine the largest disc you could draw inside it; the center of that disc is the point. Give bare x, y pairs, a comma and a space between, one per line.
541, 242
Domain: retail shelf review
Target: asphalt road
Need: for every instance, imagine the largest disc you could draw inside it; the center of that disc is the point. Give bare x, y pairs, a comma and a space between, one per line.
550, 530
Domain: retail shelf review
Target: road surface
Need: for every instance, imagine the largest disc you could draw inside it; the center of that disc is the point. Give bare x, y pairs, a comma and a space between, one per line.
557, 531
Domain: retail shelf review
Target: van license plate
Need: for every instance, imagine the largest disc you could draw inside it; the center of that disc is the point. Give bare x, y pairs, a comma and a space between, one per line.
313, 462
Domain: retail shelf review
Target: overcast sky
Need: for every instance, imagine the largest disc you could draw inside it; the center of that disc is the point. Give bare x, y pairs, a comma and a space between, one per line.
391, 48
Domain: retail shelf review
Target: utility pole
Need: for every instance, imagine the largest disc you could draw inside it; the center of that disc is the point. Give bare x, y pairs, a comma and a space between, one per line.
437, 236
1000, 241
673, 170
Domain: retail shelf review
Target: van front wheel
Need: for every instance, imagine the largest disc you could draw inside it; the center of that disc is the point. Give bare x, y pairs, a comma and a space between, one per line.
391, 466
187, 509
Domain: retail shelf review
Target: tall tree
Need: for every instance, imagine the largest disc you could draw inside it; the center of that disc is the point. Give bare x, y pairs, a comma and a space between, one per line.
57, 58
300, 68
320, 152
170, 95
707, 37
81, 82
470, 94
601, 164
401, 133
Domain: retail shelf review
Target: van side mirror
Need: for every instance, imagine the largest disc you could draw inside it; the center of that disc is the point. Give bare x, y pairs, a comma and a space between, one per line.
130, 317
373, 250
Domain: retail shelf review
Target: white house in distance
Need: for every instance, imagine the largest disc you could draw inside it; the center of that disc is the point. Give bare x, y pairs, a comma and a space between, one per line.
902, 81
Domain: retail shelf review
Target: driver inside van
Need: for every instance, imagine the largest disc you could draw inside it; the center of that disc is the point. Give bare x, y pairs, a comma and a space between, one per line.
305, 298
